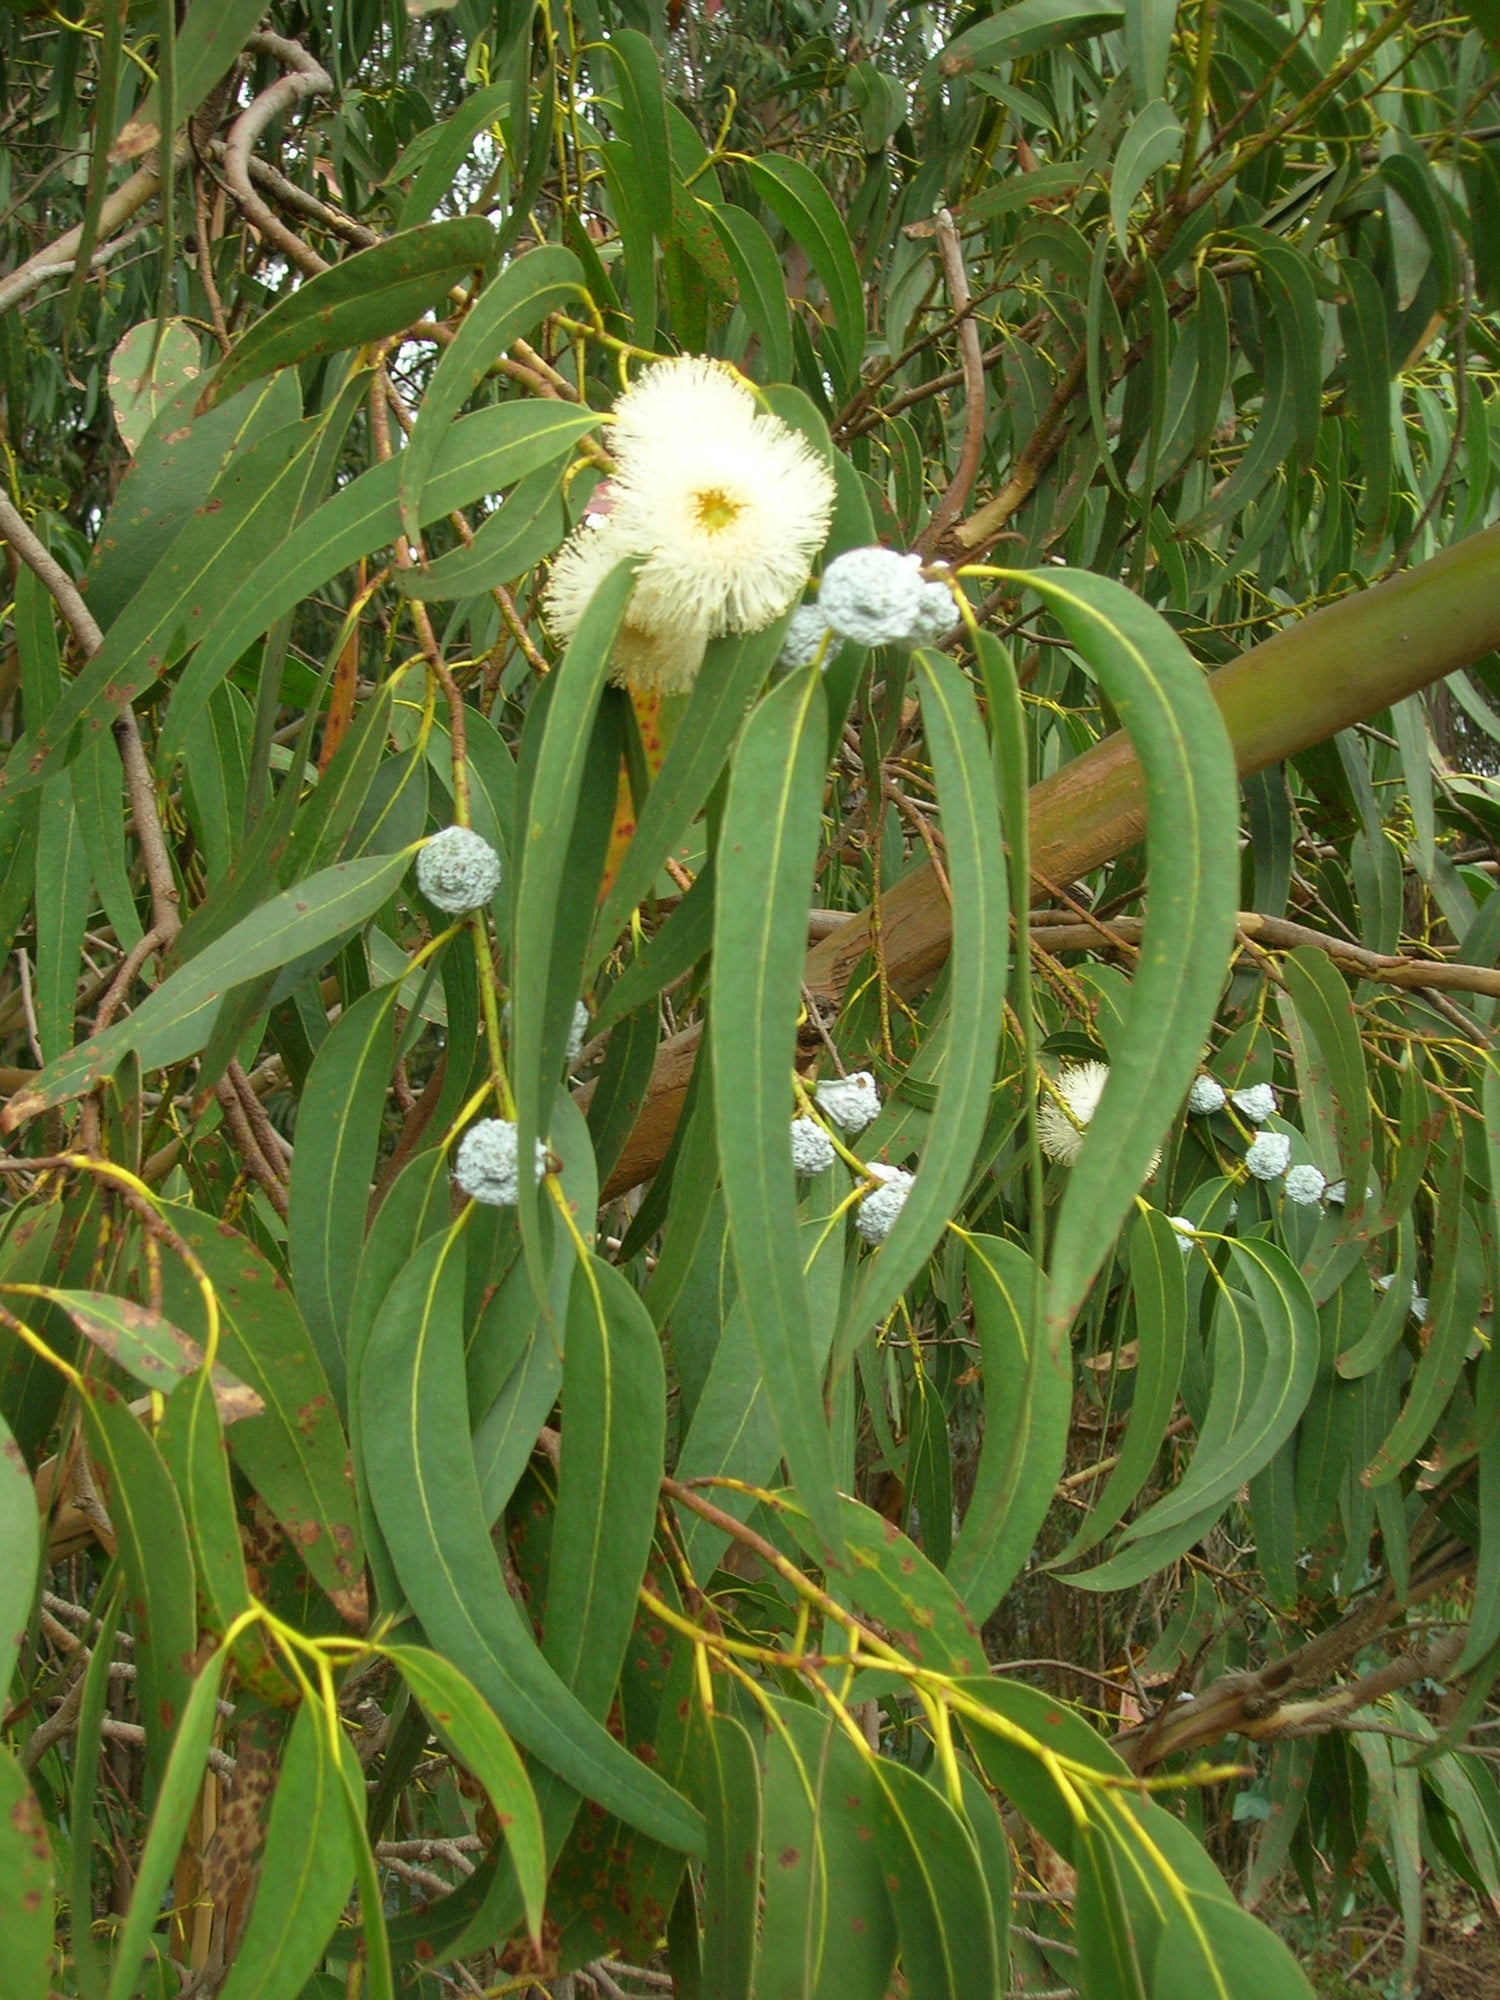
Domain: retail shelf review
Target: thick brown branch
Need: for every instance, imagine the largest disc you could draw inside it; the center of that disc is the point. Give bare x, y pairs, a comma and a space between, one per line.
950, 506
304, 78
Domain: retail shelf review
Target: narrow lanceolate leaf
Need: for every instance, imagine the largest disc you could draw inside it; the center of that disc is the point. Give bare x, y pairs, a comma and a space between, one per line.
476, 456
153, 1542
960, 755
475, 1737
244, 518
368, 296
1192, 872
1323, 1006
556, 784
1457, 1292
338, 1133
175, 1800
614, 1417
734, 670
795, 194
936, 1889
294, 1454
177, 1019
514, 303
20, 1551
1029, 1401
148, 1347
1266, 1351
27, 1908
63, 900
729, 1792
306, 1873
414, 1403
1161, 1334
765, 864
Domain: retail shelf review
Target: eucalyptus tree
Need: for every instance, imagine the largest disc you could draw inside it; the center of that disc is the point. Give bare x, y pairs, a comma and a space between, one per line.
747, 846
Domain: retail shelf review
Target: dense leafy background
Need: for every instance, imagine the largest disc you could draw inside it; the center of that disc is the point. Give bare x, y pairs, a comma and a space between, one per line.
657, 1584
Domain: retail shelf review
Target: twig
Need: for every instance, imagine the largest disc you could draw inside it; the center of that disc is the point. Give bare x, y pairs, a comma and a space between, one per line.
970, 353
28, 1006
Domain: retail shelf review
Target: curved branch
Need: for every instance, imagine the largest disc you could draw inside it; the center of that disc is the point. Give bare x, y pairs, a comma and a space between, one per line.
304, 78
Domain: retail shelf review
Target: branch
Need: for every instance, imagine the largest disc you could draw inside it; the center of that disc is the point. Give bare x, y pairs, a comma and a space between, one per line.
1329, 671
57, 258
961, 485
304, 78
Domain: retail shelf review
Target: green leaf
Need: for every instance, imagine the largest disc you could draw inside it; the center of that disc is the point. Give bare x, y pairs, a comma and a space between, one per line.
828, 1932
734, 671
1026, 1426
539, 1024
475, 1737
614, 1419
175, 1799
148, 1347
1025, 28
1213, 1946
27, 1910
1192, 860
414, 1403
960, 756
306, 1873
436, 154
478, 455
643, 122
936, 1888
369, 296
529, 524
82, 1827
795, 194
512, 304
205, 47
766, 852
244, 519
151, 362
20, 1552
729, 1791
177, 1019
1154, 137
1023, 1773
153, 1541
893, 1582
1156, 1280
762, 285
1458, 1286
295, 1455
339, 1120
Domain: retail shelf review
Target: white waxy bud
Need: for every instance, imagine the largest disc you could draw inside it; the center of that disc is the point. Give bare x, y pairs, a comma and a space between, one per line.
1187, 1233
1269, 1155
578, 1032
873, 596
486, 1168
878, 1210
1305, 1186
852, 1102
458, 871
1205, 1097
936, 614
1258, 1103
804, 636
812, 1149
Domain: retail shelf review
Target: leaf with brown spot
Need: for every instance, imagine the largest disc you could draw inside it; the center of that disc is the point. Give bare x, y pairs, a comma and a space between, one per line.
150, 1348
26, 1903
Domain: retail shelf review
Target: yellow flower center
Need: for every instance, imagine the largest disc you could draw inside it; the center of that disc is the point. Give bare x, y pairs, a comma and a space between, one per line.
716, 510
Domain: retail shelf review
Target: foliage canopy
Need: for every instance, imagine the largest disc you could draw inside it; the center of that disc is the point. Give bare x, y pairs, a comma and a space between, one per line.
644, 1570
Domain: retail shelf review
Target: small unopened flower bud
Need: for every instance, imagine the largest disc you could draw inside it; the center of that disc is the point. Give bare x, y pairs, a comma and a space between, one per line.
876, 1216
577, 1032
1205, 1097
1187, 1233
1258, 1103
852, 1102
873, 596
812, 1149
804, 636
1268, 1155
458, 871
936, 614
486, 1168
1304, 1185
